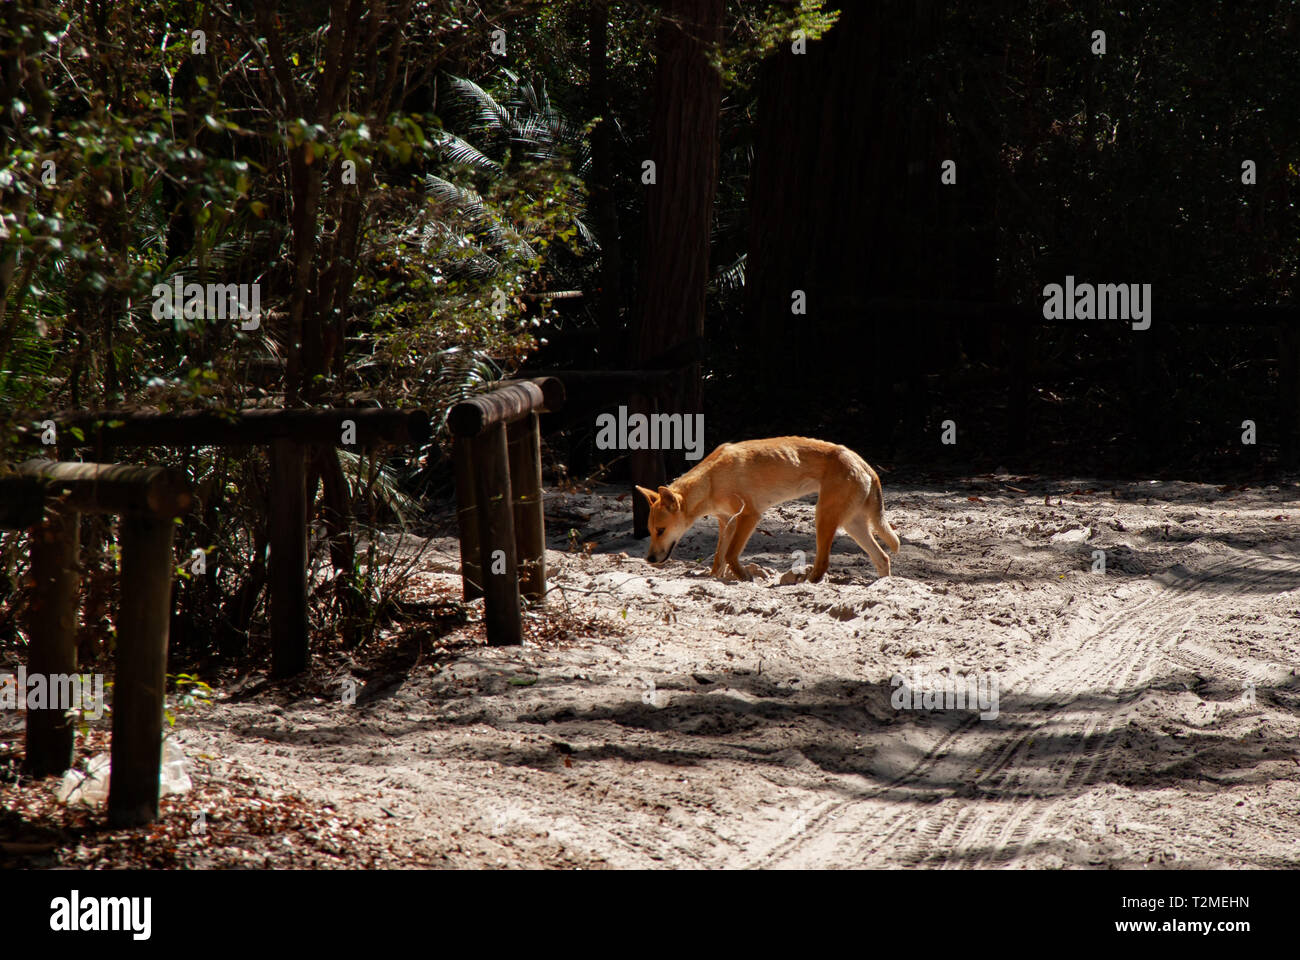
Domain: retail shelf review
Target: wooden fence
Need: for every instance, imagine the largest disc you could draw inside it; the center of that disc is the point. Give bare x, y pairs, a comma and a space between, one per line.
499, 500
49, 497
288, 434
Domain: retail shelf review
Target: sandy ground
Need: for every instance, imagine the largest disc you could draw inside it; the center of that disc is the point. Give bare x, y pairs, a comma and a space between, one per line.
1147, 716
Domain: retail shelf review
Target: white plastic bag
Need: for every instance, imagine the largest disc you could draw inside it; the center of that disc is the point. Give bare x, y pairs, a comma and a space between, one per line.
173, 779
91, 786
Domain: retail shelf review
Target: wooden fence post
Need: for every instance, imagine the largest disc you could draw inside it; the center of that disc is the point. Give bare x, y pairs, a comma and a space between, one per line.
496, 534
647, 468
290, 650
467, 520
141, 678
53, 628
525, 442
1023, 335
497, 483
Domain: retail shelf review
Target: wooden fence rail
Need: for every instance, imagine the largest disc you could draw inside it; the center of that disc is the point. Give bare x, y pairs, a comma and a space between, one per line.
48, 498
288, 432
499, 500
195, 428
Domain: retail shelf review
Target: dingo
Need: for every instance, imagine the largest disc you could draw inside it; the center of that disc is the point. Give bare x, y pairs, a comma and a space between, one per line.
738, 481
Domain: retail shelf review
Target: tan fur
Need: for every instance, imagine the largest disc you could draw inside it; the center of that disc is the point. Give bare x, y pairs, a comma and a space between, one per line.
738, 481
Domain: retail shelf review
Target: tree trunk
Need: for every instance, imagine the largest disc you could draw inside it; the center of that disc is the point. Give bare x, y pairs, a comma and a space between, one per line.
601, 186
679, 206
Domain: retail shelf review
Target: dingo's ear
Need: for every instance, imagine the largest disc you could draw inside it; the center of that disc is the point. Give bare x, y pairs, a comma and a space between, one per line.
669, 500
651, 497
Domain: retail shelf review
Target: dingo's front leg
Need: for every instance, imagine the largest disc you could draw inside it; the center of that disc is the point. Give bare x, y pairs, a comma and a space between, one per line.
744, 524
827, 522
726, 529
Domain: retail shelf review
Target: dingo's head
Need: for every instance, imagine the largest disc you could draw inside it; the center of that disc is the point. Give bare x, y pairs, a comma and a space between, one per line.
667, 522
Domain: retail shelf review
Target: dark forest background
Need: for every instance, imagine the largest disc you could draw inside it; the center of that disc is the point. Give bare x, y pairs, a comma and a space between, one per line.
436, 196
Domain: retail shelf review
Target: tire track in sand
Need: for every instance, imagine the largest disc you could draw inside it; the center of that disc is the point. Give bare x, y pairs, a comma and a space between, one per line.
984, 791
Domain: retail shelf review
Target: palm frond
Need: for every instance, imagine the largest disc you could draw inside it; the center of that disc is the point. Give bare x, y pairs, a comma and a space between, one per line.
488, 114
731, 277
455, 150
386, 485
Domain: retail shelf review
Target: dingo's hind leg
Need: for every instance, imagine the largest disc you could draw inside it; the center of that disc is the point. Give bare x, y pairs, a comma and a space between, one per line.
860, 530
874, 513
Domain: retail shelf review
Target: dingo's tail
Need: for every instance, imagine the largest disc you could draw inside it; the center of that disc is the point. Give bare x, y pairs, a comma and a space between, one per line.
876, 517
